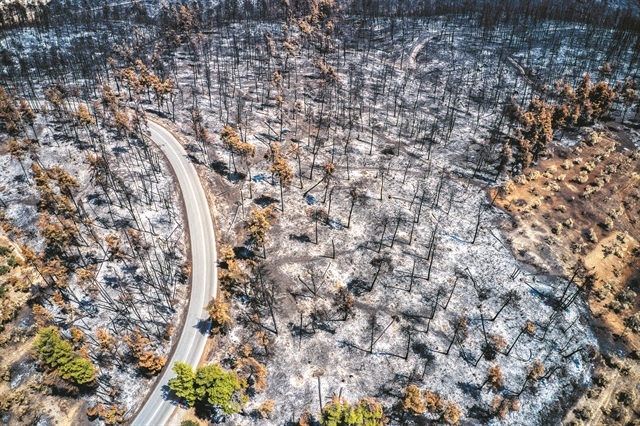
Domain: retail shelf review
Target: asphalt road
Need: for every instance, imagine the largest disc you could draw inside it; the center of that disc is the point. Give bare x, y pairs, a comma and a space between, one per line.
204, 277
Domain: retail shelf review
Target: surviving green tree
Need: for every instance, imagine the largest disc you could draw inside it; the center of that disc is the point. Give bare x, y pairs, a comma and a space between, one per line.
209, 384
58, 354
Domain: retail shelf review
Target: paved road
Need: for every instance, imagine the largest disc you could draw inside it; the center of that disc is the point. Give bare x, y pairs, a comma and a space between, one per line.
204, 276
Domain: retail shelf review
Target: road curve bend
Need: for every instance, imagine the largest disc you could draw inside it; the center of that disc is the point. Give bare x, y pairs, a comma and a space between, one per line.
204, 277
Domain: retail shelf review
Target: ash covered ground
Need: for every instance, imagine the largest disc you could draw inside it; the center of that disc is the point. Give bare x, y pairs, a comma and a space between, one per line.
392, 129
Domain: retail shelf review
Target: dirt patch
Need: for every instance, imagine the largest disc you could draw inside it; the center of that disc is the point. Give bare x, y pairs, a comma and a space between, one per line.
580, 208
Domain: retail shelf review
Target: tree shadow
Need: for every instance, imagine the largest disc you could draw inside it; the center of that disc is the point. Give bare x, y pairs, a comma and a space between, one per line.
351, 346
122, 223
423, 351
220, 167
335, 224
111, 282
480, 413
237, 176
358, 286
192, 147
192, 158
303, 238
326, 327
210, 412
96, 199
270, 137
117, 150
169, 395
203, 326
243, 253
470, 389
264, 201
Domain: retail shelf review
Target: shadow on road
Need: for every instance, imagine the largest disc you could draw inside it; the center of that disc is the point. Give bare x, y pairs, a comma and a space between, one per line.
203, 326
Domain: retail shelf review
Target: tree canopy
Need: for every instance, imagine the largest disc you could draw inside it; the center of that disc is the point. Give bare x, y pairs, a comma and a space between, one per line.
58, 354
209, 384
366, 412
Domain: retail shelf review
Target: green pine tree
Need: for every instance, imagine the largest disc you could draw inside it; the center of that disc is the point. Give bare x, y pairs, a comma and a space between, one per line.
183, 385
218, 387
209, 384
80, 370
57, 353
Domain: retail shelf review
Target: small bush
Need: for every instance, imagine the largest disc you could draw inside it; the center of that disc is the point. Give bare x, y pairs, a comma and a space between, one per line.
413, 402
627, 296
589, 190
593, 139
452, 413
4, 250
433, 401
626, 397
522, 180
616, 213
617, 413
601, 381
608, 223
594, 393
534, 175
561, 177
585, 413
583, 177
552, 186
633, 323
616, 306
508, 187
557, 229
209, 383
266, 408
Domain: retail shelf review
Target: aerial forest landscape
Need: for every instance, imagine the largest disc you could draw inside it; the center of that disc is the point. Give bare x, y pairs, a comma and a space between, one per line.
320, 212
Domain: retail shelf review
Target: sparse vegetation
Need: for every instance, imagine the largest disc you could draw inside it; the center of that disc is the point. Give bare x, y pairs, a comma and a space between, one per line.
433, 203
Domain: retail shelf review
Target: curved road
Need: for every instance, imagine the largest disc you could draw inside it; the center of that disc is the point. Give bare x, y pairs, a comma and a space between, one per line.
204, 277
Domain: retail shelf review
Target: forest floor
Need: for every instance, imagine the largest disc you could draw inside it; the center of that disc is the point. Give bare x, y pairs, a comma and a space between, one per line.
392, 260
591, 188
116, 272
23, 392
410, 255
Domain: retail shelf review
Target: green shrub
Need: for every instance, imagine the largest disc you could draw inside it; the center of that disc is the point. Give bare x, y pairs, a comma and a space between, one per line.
57, 353
339, 412
79, 370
